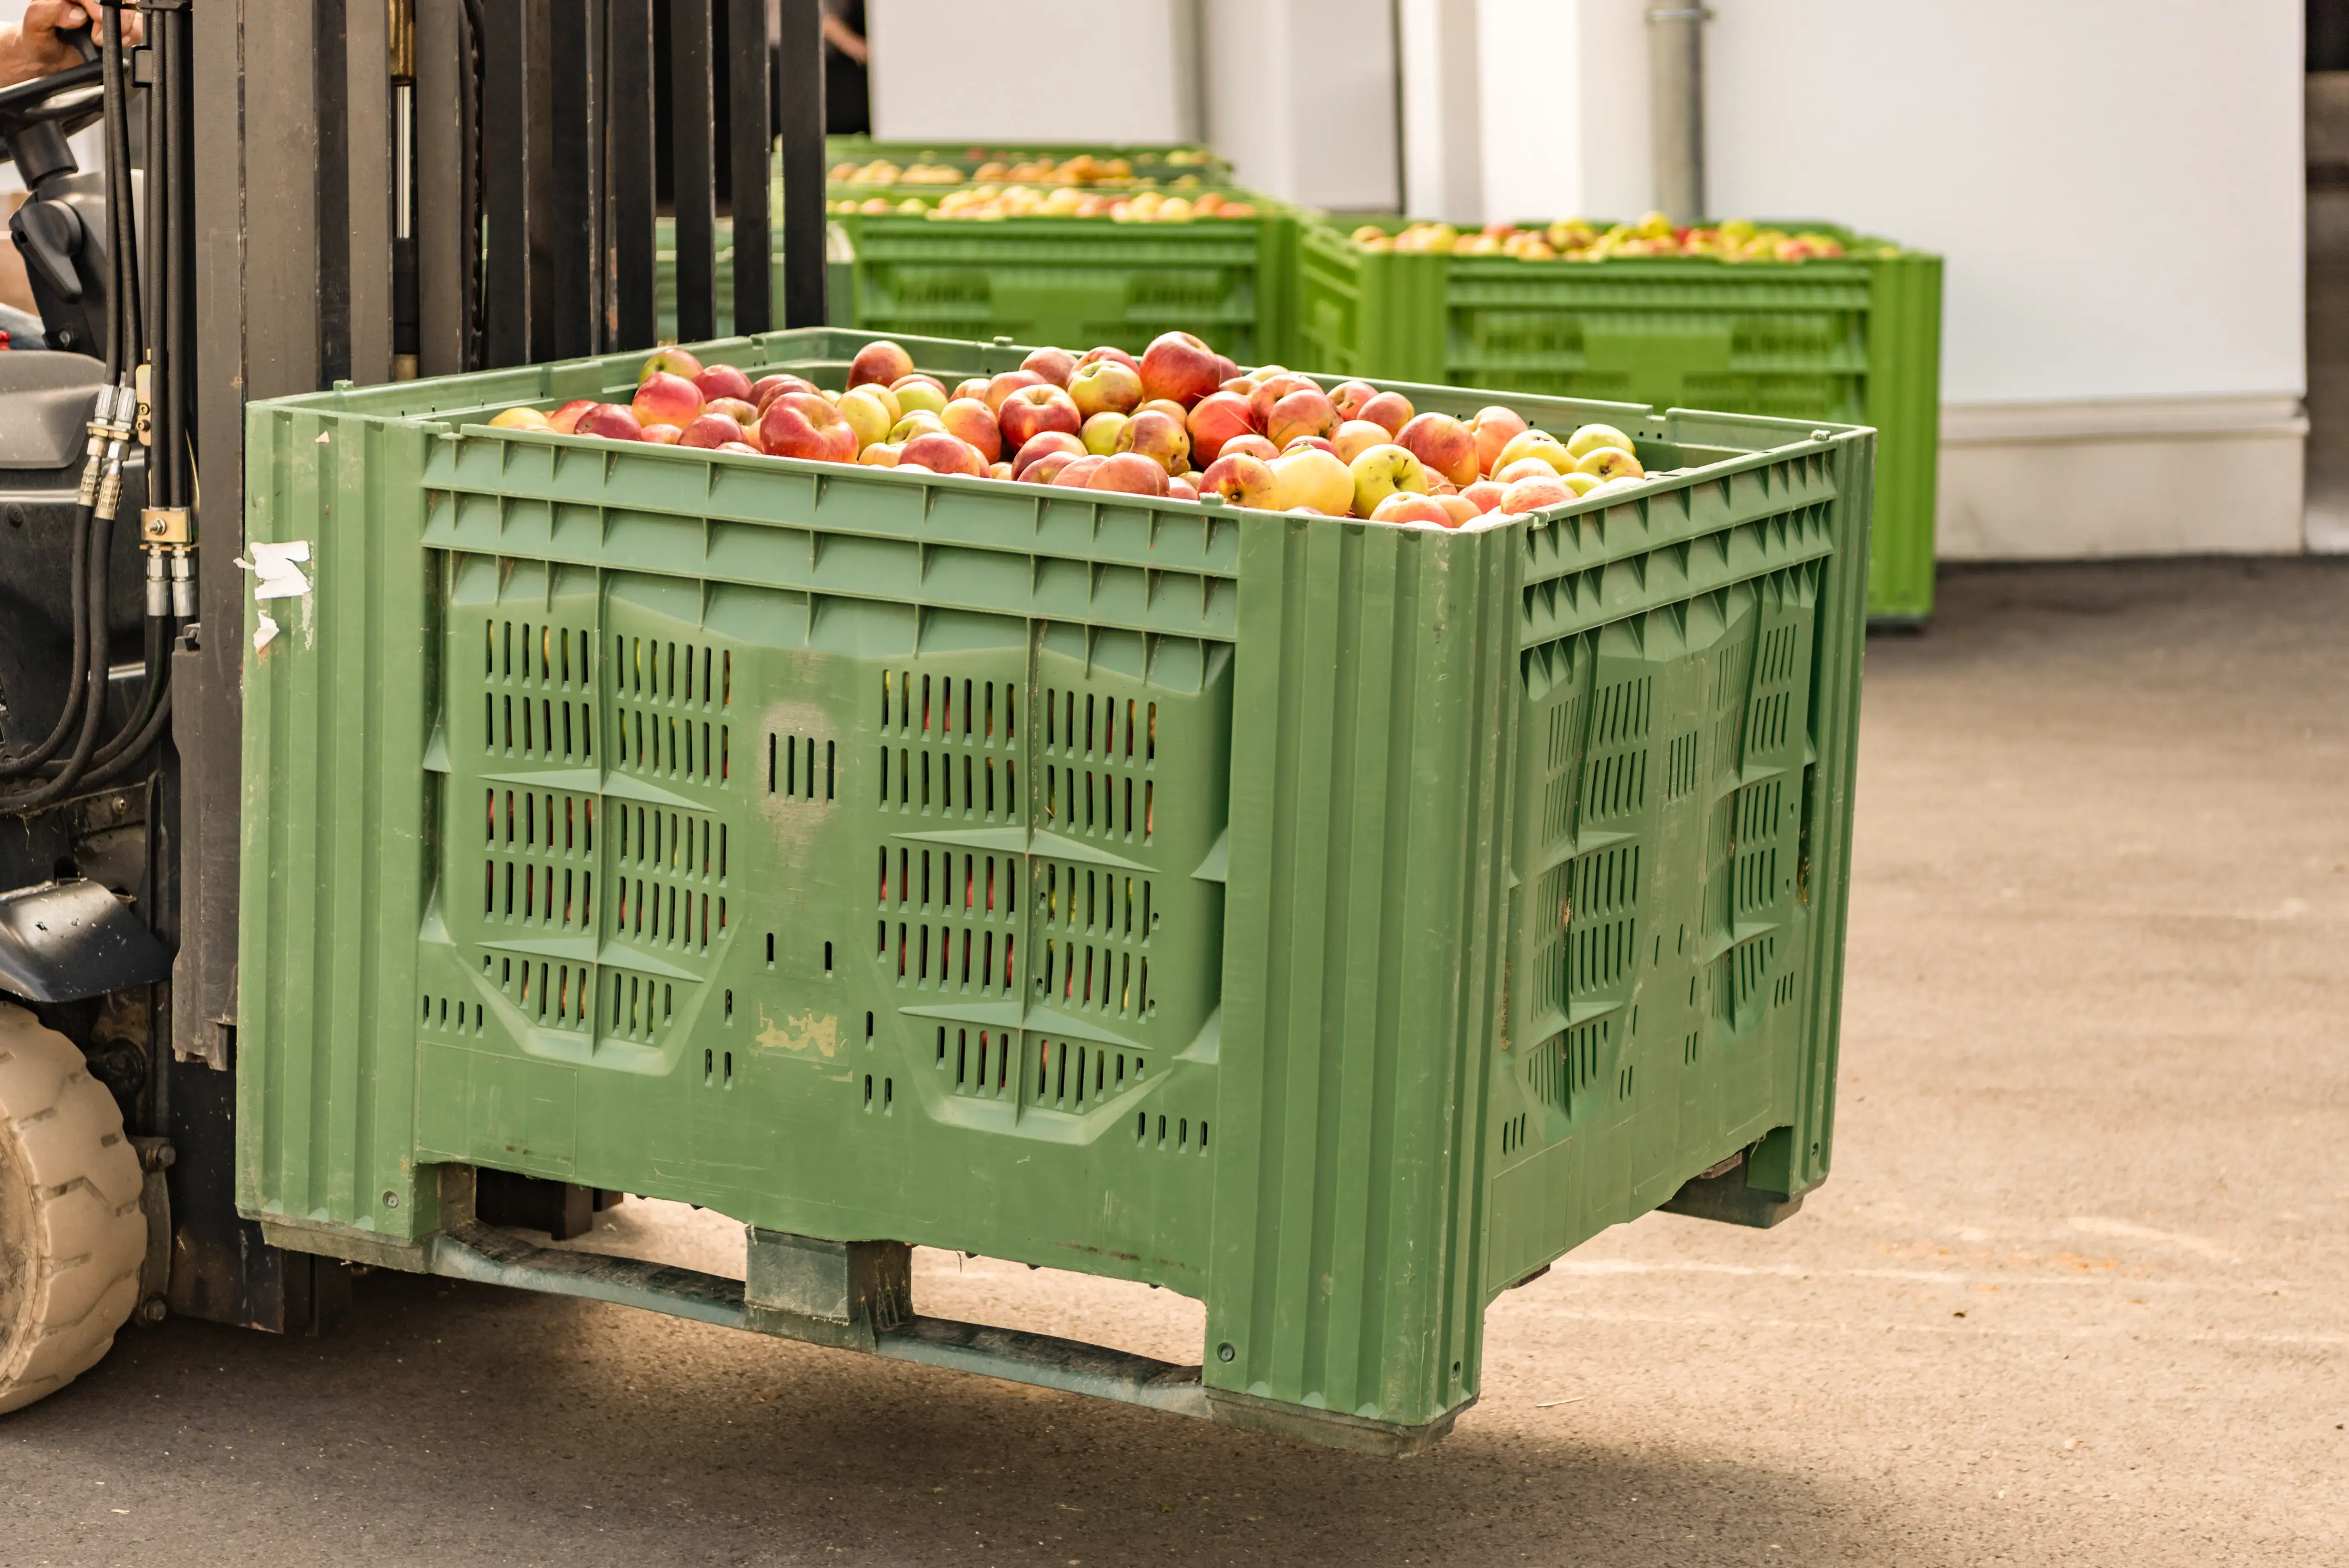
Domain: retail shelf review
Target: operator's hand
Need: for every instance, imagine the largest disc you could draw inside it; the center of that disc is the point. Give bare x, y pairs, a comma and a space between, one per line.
34, 50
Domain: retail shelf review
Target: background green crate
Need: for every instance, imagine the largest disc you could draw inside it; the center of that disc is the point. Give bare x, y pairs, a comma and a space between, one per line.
1332, 921
1856, 340
1149, 157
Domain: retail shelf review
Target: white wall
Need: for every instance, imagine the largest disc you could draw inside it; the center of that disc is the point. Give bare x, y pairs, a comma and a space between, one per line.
1034, 70
1300, 96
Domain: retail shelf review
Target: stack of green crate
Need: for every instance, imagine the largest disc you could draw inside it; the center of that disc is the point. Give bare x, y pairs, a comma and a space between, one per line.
1854, 339
1155, 161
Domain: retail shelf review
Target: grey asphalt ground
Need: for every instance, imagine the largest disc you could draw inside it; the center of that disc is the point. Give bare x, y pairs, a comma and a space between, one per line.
2078, 1292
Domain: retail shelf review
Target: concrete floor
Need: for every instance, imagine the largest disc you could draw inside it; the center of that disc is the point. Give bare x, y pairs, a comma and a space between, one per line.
2077, 1294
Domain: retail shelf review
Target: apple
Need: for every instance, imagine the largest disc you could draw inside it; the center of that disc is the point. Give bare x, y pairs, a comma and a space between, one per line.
566, 419
801, 424
744, 449
975, 387
670, 361
613, 421
520, 420
1533, 444
717, 381
942, 453
1391, 409
999, 470
1402, 506
968, 418
1106, 386
1001, 387
1046, 468
1055, 364
1131, 472
880, 455
915, 424
884, 362
1350, 397
665, 399
1484, 494
1604, 463
1318, 443
712, 430
1590, 437
1243, 385
1217, 418
738, 409
919, 392
1494, 428
1077, 471
1356, 436
767, 388
1159, 437
663, 435
1226, 368
1042, 443
866, 415
1028, 412
1306, 411
1109, 351
1532, 494
1461, 507
1180, 487
1253, 445
1381, 472
1312, 478
1271, 390
1580, 484
1180, 368
1099, 432
1445, 445
1523, 469
1242, 479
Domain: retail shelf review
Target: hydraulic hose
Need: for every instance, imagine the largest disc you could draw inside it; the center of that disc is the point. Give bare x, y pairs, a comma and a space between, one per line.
18, 766
93, 712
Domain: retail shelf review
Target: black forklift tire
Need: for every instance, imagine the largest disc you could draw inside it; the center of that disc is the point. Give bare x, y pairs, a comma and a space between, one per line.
71, 1233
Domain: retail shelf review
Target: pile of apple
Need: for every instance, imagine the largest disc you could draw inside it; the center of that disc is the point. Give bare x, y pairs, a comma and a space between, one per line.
983, 201
1083, 168
1180, 422
1574, 239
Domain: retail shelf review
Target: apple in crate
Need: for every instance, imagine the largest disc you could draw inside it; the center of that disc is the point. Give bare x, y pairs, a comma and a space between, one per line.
1271, 390
969, 418
1532, 494
1253, 445
1356, 436
1109, 351
803, 425
1242, 479
1047, 468
1391, 409
610, 420
1381, 472
1106, 386
1494, 427
1214, 419
1042, 444
1604, 463
1442, 443
884, 362
1131, 472
1404, 507
1306, 411
1158, 435
1101, 431
665, 399
712, 430
1350, 397
1030, 411
1077, 471
717, 381
564, 420
1180, 368
670, 361
866, 415
943, 454
767, 388
524, 418
1312, 478
1589, 438
1055, 364
1000, 387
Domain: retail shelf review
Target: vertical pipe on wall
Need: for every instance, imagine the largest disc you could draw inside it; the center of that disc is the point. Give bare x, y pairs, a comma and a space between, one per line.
1676, 80
798, 99
629, 141
693, 135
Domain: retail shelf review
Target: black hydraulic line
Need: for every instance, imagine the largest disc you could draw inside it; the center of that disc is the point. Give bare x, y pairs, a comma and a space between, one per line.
135, 750
26, 762
156, 694
94, 709
121, 215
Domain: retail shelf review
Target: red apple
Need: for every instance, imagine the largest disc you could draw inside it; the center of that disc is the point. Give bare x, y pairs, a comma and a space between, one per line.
1131, 472
1055, 364
1484, 494
883, 362
1404, 507
1318, 443
1306, 411
1350, 397
1077, 471
1524, 468
999, 470
613, 421
1047, 468
564, 420
1391, 409
767, 388
663, 435
665, 399
1159, 437
803, 425
670, 361
717, 381
1253, 445
739, 411
1494, 428
1218, 417
1271, 390
975, 387
1534, 493
1181, 487
712, 430
1243, 385
1030, 411
1242, 479
1179, 367
969, 418
943, 454
1105, 387
1002, 387
743, 448
1445, 445
1356, 436
1042, 443
1460, 507
1225, 369
1109, 351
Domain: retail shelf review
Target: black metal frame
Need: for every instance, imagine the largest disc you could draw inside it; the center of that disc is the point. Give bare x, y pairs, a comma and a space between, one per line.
536, 129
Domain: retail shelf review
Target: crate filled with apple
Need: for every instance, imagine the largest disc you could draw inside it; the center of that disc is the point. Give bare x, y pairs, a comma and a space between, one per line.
859, 161
1652, 237
1180, 422
1179, 205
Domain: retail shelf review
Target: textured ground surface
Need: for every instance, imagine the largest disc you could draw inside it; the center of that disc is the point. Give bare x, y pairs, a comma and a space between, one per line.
2078, 1292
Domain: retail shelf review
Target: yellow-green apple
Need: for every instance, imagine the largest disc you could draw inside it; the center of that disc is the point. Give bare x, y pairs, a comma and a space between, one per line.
1484, 494
918, 423
866, 415
1158, 435
1099, 432
883, 362
665, 399
800, 425
717, 381
1313, 478
1356, 436
942, 453
1380, 471
1031, 410
969, 418
1041, 443
1046, 468
670, 361
566, 419
1131, 472
1604, 463
1179, 367
613, 421
1106, 386
1214, 419
1402, 506
1271, 390
1579, 483
1524, 468
1590, 437
520, 420
1533, 444
1077, 471
1252, 444
1445, 445
712, 430
1494, 427
1306, 411
998, 387
919, 392
1532, 494
1055, 364
1391, 409
1242, 479
1350, 397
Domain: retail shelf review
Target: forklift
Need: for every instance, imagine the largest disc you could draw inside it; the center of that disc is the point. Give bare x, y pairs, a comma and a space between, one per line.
292, 195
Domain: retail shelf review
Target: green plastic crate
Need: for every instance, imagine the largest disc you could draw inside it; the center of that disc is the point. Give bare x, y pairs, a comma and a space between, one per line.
1856, 340
1332, 921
